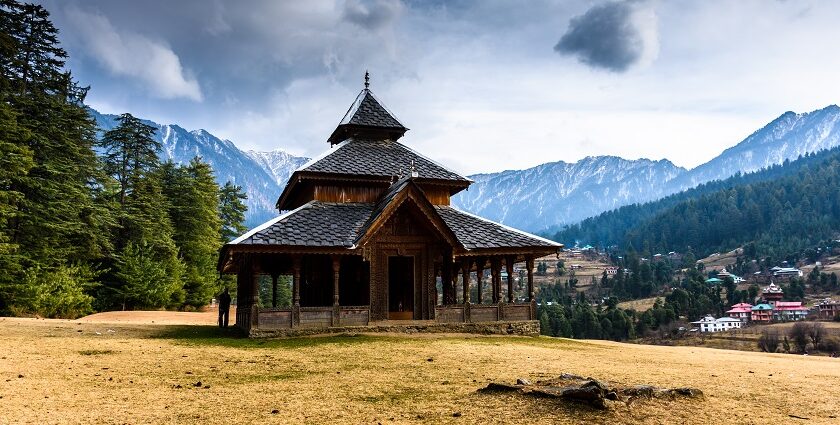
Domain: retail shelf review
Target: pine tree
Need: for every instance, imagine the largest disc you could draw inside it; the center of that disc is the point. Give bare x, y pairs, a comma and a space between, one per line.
58, 220
194, 209
130, 152
232, 211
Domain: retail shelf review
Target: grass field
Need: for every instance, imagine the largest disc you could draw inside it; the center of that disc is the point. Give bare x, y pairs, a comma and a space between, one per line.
93, 372
640, 305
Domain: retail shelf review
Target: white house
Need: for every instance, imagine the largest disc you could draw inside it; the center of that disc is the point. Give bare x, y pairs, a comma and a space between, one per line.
710, 324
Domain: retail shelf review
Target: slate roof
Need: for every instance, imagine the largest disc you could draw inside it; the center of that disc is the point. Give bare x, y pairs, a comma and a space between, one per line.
315, 224
475, 232
383, 158
369, 112
325, 224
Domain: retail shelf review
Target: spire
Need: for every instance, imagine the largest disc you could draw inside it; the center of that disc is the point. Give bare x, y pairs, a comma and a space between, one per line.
368, 119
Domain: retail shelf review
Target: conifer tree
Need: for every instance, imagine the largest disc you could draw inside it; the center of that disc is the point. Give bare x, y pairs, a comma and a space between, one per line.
58, 220
193, 197
232, 211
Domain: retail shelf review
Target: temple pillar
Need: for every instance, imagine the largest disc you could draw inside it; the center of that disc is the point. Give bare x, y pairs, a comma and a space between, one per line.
295, 291
479, 278
496, 273
274, 277
529, 265
336, 266
446, 279
509, 266
465, 283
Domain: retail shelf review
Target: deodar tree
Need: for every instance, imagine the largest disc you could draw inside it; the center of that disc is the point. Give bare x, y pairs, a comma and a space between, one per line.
51, 217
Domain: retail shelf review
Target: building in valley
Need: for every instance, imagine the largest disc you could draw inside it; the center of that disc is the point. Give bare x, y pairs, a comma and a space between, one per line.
761, 313
740, 311
368, 237
828, 309
789, 311
710, 324
772, 293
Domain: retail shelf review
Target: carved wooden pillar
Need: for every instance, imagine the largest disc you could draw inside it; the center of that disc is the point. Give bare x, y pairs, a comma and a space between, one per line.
274, 277
254, 280
509, 266
336, 266
244, 299
446, 278
296, 291
465, 279
479, 278
455, 268
495, 271
465, 283
529, 264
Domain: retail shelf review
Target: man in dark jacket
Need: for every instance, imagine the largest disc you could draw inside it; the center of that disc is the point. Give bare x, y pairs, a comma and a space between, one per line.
224, 308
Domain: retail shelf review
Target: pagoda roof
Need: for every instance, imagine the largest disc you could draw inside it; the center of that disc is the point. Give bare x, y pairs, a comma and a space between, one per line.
314, 224
382, 158
372, 159
475, 232
367, 114
319, 224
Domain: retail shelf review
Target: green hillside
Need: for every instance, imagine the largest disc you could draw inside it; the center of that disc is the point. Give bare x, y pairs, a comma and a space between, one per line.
783, 210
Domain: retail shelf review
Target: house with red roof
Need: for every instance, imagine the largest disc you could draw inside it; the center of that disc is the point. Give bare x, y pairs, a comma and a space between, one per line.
789, 311
740, 311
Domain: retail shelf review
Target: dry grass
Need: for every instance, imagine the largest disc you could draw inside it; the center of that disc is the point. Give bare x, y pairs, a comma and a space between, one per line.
721, 260
640, 305
76, 372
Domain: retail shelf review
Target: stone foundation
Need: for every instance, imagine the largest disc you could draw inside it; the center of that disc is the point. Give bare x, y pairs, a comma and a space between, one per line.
520, 327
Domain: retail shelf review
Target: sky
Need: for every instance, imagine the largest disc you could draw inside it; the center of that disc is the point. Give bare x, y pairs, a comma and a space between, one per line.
482, 85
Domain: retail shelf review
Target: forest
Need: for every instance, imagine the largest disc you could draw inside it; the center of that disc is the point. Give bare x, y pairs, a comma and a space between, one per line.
782, 211
92, 223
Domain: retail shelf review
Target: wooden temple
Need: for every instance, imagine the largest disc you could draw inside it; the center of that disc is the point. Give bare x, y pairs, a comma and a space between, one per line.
368, 237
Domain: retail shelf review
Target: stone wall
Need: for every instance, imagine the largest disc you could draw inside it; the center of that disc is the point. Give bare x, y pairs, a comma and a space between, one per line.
523, 327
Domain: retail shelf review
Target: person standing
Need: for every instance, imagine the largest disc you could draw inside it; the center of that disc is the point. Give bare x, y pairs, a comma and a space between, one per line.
224, 308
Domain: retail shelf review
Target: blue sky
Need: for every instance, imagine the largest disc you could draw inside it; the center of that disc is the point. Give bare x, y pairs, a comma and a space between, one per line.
483, 85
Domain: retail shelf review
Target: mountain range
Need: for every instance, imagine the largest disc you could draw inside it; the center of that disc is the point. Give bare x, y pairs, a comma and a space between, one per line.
551, 195
535, 199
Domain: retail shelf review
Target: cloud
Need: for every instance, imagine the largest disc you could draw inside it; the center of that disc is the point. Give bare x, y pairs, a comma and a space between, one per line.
373, 14
133, 55
612, 36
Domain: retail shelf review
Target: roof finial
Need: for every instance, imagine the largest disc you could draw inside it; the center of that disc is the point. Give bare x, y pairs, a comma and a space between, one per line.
414, 172
367, 79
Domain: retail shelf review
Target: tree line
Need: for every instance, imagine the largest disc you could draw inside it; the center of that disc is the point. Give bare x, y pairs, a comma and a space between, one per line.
81, 232
783, 209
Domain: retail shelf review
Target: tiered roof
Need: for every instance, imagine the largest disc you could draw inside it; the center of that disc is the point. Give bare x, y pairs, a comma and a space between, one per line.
368, 153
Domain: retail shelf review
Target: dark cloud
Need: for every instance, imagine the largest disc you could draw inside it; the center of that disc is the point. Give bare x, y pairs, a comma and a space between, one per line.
373, 14
606, 36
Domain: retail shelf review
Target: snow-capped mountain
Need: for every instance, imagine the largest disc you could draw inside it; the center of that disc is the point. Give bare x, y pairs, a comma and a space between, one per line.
786, 138
278, 163
260, 179
535, 199
560, 192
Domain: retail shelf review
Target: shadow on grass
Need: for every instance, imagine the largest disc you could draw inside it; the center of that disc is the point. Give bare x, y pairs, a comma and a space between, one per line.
231, 337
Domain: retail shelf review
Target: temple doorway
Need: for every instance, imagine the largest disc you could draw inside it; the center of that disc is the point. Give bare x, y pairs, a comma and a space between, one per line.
400, 288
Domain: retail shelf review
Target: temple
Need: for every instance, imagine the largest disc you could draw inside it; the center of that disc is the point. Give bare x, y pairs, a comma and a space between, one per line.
367, 236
